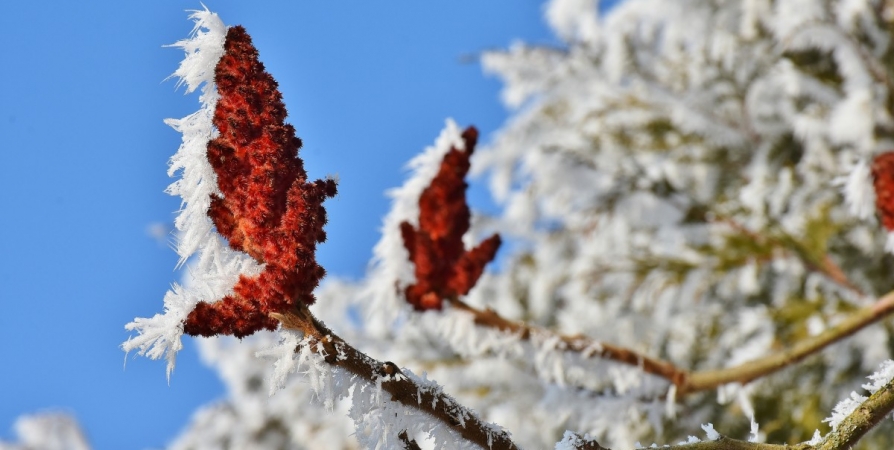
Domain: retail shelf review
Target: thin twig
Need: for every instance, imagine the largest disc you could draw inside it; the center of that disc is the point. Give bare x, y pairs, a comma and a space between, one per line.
685, 381
576, 344
752, 370
723, 443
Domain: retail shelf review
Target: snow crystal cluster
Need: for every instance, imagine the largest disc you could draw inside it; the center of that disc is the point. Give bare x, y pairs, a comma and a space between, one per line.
878, 379
216, 267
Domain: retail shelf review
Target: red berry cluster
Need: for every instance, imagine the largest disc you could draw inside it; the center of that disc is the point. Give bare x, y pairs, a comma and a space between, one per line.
444, 268
883, 181
267, 209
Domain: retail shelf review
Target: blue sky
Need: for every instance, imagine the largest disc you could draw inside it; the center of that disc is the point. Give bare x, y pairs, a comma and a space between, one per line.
84, 156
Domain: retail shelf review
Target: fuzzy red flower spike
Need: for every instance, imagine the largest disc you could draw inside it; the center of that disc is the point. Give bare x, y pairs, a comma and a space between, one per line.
883, 181
444, 268
267, 209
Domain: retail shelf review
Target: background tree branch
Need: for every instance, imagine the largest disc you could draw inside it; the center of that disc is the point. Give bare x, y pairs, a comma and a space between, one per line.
690, 382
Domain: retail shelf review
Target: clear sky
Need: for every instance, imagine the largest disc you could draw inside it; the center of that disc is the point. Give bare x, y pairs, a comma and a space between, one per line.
84, 155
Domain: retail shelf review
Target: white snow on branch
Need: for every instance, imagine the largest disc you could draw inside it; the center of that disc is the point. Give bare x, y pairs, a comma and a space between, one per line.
216, 268
297, 353
378, 421
713, 435
754, 436
573, 441
849, 124
574, 20
197, 178
844, 408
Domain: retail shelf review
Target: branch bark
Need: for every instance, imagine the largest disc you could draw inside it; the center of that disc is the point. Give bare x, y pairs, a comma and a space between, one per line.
403, 389
723, 443
863, 419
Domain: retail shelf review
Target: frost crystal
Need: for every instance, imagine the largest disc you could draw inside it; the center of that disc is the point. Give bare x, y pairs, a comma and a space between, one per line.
878, 379
816, 439
859, 192
217, 266
713, 435
573, 441
754, 436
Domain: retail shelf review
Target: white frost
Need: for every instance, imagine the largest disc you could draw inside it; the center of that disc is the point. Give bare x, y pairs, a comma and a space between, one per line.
712, 434
216, 268
844, 408
754, 435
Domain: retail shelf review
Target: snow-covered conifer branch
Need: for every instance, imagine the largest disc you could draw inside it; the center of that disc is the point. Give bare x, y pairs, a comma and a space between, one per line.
47, 431
781, 240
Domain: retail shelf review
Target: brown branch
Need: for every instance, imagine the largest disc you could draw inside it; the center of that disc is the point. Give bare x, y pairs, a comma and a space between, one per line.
723, 443
685, 381
403, 389
863, 419
828, 267
576, 344
753, 370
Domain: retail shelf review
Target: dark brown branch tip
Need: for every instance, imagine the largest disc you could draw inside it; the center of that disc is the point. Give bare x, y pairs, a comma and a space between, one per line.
389, 369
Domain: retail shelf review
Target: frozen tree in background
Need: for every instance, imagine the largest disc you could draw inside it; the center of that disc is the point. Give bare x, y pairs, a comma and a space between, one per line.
690, 179
47, 431
697, 207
